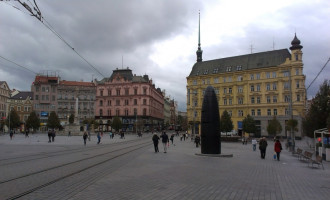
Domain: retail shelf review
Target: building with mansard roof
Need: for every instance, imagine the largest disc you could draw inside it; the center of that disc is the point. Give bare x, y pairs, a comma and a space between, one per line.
262, 85
134, 99
22, 103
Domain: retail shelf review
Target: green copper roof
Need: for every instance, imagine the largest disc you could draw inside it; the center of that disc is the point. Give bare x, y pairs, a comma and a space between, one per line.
241, 63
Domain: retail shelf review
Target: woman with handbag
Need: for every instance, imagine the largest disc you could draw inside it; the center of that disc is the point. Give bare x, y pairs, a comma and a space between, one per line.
278, 149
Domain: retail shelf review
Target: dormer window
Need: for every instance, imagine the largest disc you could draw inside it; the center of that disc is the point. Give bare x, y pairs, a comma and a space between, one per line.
239, 68
228, 69
206, 71
215, 71
197, 73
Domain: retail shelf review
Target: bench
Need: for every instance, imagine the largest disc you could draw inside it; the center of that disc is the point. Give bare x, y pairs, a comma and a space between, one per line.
307, 155
318, 161
299, 152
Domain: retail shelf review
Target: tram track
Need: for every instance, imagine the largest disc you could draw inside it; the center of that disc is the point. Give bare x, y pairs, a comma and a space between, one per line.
55, 174
27, 158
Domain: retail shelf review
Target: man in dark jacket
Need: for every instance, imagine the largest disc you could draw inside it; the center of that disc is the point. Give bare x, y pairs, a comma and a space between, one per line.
165, 140
262, 147
155, 140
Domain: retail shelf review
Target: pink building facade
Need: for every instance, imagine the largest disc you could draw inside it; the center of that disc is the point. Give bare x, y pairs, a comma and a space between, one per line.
134, 99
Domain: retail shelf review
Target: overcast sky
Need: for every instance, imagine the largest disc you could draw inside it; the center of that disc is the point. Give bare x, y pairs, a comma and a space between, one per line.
156, 37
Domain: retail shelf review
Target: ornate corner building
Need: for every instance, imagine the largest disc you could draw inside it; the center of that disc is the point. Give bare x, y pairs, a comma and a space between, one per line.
263, 85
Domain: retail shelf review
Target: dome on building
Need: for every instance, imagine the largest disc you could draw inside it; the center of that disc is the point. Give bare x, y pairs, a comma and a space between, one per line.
295, 43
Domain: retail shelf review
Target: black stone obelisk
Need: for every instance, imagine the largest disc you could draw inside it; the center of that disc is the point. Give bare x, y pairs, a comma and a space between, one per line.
210, 124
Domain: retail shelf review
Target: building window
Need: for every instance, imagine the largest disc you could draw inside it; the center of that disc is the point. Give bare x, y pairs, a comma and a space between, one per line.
286, 85
274, 99
296, 56
239, 78
101, 93
101, 103
240, 100
224, 79
230, 101
274, 86
251, 76
298, 97
109, 92
117, 102
145, 91
225, 90
287, 111
297, 72
144, 101
135, 91
101, 112
37, 88
258, 87
53, 97
267, 86
126, 91
228, 69
195, 114
117, 112
230, 91
216, 80
109, 102
240, 89
269, 112
274, 75
259, 112
135, 101
252, 100
118, 92
144, 111
268, 99
126, 112
215, 70
297, 84
230, 113
287, 98
229, 79
239, 68
224, 101
126, 102
258, 76
240, 113
267, 74
275, 112
253, 113
286, 74
135, 111
195, 102
258, 100
252, 88
37, 97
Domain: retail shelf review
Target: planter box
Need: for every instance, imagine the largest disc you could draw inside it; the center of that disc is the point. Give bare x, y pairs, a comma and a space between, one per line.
327, 154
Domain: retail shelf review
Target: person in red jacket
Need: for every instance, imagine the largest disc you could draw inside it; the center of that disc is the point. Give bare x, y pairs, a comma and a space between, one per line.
278, 149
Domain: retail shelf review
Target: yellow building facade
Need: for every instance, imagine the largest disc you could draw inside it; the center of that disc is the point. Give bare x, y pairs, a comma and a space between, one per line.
263, 85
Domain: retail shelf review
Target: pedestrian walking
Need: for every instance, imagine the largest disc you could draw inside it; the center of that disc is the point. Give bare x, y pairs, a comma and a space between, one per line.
278, 149
165, 141
254, 144
11, 134
110, 134
262, 147
49, 136
184, 136
155, 140
98, 138
27, 133
85, 136
197, 141
53, 135
172, 138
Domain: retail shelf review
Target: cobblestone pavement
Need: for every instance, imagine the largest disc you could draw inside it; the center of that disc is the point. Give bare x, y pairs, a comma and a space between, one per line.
180, 174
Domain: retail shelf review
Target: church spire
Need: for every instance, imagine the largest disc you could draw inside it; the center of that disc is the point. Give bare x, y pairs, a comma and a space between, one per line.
199, 51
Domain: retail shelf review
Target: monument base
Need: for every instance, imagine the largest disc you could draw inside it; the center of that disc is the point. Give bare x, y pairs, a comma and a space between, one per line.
215, 155
74, 129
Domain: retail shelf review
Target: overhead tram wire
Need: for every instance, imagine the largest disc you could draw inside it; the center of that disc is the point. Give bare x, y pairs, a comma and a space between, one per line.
318, 74
50, 27
18, 64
